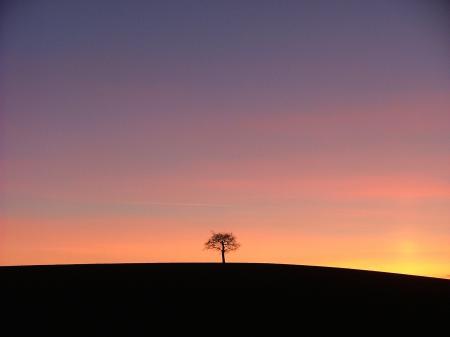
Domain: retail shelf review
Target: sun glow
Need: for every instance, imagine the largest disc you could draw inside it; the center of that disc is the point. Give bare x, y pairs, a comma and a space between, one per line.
408, 248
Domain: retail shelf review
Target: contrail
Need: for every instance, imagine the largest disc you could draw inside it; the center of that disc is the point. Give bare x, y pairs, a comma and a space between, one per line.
185, 204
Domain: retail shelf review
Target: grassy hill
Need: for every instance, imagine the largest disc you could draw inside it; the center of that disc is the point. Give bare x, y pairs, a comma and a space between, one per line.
141, 294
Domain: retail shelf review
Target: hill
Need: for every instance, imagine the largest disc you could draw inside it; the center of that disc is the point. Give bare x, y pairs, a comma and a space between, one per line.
140, 294
336, 281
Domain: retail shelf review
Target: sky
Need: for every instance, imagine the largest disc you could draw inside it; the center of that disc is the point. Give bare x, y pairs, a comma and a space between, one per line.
318, 132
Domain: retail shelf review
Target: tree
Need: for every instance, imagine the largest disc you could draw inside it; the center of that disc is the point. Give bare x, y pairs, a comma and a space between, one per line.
223, 242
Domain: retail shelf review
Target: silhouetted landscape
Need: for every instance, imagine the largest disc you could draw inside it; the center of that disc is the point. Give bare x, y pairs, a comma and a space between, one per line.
296, 131
317, 280
135, 295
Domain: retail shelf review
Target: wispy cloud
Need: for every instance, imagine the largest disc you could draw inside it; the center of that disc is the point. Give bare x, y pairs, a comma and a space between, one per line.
184, 204
52, 207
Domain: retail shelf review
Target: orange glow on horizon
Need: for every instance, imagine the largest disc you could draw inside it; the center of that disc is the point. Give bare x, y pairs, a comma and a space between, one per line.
397, 253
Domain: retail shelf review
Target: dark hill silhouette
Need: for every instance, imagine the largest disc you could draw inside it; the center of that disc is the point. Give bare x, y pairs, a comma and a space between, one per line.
138, 295
336, 281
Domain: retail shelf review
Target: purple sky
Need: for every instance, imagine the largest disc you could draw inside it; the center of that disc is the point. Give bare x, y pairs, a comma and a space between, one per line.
317, 121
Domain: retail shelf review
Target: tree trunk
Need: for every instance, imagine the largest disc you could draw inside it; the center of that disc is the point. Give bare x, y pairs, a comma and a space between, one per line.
223, 253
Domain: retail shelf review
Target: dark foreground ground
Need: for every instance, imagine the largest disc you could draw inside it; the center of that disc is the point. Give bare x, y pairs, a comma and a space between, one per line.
191, 299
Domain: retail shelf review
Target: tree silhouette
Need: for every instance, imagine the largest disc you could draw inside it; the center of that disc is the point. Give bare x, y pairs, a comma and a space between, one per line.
224, 242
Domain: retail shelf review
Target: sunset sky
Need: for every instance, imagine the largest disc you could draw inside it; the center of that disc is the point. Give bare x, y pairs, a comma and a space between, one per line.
318, 132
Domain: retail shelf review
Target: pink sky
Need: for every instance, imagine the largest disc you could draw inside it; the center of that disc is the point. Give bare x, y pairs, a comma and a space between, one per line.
318, 135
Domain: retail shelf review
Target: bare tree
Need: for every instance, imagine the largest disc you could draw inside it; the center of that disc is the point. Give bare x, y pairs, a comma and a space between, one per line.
224, 242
